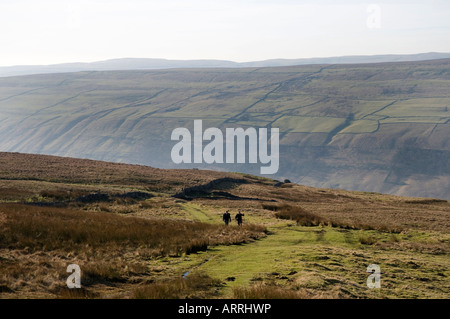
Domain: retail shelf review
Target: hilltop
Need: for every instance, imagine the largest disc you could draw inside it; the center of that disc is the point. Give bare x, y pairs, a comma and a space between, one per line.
142, 232
380, 127
154, 64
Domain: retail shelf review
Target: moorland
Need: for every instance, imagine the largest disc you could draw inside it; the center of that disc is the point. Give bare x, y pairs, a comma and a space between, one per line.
142, 232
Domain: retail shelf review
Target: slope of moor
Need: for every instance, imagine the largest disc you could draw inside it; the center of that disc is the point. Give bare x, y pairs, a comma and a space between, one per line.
141, 232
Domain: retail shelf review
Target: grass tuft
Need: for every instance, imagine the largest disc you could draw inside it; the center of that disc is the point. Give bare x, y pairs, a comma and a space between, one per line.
264, 291
180, 288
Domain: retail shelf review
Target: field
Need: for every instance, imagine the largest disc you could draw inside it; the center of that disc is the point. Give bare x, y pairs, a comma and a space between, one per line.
342, 126
141, 232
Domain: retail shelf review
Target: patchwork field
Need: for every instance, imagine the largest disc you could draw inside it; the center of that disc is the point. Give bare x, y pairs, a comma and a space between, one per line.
352, 120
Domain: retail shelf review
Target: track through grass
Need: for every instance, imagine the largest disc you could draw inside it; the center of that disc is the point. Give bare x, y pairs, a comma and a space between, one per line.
329, 260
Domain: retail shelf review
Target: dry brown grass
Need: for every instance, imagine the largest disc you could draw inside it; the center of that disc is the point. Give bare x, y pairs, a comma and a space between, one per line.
272, 291
306, 218
432, 248
193, 286
263, 291
14, 193
301, 216
50, 228
81, 171
359, 210
37, 244
366, 210
62, 195
81, 293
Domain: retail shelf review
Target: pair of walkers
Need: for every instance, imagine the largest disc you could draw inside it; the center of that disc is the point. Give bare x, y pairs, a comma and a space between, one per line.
226, 217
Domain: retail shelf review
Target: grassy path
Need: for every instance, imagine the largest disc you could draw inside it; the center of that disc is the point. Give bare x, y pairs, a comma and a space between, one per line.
332, 261
239, 264
328, 260
197, 213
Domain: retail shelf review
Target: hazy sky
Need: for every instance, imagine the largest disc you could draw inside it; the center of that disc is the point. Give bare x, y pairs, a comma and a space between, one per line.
57, 31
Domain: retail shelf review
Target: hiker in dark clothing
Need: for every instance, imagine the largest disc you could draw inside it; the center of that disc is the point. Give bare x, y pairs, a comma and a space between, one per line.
239, 218
226, 217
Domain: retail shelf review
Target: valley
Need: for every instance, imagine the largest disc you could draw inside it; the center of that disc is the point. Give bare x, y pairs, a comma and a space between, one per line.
376, 127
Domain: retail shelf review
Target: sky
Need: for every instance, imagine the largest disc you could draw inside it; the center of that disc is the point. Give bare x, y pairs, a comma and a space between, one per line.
59, 31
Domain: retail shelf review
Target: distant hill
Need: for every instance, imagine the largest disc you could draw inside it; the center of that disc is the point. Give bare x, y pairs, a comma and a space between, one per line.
377, 127
154, 64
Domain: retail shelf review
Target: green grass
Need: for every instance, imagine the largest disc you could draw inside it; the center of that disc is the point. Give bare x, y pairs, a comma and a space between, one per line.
431, 107
298, 124
361, 126
332, 261
197, 213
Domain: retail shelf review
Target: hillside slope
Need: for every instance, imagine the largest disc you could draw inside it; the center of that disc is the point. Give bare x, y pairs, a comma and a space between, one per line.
33, 178
372, 127
141, 232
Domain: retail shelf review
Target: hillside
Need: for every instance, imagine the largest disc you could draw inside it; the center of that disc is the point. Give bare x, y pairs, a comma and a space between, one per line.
140, 232
380, 127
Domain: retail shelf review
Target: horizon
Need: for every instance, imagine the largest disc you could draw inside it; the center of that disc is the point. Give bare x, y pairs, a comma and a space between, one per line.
232, 61
52, 32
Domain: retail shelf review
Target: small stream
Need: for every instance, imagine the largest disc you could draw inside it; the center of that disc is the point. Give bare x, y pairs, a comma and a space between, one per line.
189, 271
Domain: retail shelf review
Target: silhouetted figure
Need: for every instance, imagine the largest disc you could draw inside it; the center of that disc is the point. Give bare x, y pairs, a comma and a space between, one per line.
226, 217
239, 218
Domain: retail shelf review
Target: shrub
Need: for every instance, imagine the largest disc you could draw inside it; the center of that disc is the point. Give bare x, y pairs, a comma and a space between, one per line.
305, 218
189, 287
80, 293
301, 216
367, 239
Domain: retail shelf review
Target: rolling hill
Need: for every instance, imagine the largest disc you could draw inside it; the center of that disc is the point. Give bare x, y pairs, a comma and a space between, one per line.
377, 127
152, 64
142, 232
